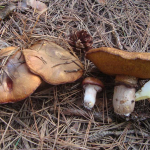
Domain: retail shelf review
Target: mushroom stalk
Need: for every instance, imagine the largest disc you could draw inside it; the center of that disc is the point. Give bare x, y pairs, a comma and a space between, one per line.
124, 94
90, 95
122, 100
143, 93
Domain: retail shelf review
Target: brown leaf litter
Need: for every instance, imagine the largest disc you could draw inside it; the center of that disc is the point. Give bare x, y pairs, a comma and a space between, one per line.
54, 117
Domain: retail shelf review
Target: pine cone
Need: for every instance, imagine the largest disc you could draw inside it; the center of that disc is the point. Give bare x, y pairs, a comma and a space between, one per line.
81, 40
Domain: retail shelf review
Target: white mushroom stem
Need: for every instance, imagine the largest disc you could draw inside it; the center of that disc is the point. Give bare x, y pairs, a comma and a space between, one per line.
143, 93
123, 100
124, 94
90, 95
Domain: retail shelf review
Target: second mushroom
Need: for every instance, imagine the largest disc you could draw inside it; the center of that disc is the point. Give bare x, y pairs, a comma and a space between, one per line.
128, 67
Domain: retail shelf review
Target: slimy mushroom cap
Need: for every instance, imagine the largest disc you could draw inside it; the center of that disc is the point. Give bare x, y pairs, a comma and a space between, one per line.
92, 81
112, 61
52, 63
17, 82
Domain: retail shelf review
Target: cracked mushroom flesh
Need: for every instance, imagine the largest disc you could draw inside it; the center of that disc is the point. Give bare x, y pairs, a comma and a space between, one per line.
52, 63
17, 82
91, 86
127, 67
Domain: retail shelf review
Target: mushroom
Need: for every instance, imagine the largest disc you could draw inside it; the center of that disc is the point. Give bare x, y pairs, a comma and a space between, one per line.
143, 93
91, 86
127, 66
52, 63
17, 82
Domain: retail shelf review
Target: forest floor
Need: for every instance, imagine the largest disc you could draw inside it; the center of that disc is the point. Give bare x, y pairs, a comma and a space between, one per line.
54, 117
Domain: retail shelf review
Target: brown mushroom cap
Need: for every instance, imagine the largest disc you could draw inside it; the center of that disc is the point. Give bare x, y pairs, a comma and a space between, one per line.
53, 63
117, 62
17, 82
92, 81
